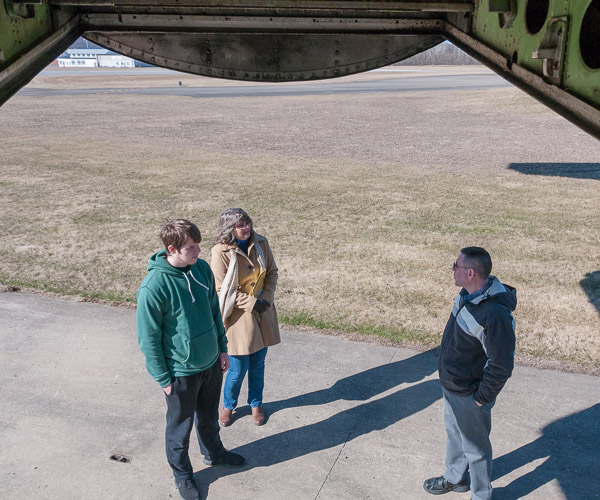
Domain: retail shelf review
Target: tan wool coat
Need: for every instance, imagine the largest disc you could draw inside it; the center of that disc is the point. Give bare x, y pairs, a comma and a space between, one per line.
247, 331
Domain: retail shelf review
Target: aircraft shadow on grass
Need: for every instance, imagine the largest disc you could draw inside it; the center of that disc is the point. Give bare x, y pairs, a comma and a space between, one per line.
591, 286
573, 170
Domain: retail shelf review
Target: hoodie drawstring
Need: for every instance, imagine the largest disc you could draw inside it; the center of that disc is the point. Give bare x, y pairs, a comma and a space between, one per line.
190, 285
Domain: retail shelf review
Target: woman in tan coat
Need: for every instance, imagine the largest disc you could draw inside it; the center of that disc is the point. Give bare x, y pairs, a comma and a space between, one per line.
246, 278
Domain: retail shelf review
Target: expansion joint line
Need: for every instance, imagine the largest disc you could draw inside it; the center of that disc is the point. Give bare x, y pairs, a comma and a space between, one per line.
350, 432
335, 461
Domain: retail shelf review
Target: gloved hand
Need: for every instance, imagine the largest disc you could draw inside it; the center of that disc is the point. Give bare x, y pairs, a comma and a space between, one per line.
260, 306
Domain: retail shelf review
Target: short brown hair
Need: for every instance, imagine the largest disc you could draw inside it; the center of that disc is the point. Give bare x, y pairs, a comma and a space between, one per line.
177, 231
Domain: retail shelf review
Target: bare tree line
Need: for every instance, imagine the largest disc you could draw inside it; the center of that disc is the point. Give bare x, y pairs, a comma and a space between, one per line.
442, 54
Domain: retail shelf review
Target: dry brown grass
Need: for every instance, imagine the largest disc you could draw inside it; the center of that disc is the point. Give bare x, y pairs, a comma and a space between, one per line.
366, 199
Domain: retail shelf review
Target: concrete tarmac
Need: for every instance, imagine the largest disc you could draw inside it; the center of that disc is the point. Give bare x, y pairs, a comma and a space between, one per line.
346, 420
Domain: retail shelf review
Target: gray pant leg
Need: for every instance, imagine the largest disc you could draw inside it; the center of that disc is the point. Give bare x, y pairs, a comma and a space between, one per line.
471, 431
457, 466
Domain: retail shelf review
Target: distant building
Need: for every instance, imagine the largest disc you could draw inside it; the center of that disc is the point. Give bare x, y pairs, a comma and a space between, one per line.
93, 58
81, 58
115, 61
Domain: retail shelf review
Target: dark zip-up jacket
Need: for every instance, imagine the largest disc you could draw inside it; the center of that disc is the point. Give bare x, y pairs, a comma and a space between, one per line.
478, 346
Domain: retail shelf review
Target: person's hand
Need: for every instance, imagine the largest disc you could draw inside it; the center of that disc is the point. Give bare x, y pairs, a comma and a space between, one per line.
260, 306
168, 389
478, 404
224, 362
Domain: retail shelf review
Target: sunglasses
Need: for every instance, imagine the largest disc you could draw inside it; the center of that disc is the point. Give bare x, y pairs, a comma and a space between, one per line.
455, 266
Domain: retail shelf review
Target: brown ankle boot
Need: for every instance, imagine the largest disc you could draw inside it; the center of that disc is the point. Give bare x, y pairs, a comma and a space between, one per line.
258, 417
225, 417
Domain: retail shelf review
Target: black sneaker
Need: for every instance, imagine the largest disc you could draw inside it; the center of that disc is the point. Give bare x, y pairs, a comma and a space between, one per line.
226, 458
440, 485
187, 489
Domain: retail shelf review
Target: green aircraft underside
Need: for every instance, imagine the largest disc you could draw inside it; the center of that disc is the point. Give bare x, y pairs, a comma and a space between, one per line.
548, 48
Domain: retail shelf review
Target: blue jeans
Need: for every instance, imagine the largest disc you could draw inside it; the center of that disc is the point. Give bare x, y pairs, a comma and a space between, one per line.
254, 364
468, 450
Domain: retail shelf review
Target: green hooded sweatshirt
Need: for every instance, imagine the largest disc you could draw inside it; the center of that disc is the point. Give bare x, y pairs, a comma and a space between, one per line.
179, 324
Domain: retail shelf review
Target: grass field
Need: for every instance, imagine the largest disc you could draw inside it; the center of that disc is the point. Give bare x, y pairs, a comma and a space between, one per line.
366, 200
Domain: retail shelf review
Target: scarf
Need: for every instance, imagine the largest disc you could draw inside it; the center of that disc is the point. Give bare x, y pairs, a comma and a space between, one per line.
229, 286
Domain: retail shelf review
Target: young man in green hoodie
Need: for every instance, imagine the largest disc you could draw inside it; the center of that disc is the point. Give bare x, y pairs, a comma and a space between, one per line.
181, 335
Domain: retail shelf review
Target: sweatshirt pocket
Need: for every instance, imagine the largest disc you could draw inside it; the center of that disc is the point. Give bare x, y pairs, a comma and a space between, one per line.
201, 349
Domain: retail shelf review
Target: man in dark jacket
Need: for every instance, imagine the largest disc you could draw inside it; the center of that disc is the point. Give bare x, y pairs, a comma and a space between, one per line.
476, 359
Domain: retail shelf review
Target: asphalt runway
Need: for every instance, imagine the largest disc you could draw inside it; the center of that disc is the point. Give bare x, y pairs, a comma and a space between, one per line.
430, 83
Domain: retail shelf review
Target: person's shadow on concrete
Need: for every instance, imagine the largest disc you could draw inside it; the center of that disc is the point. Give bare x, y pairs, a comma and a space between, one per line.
348, 424
571, 447
360, 386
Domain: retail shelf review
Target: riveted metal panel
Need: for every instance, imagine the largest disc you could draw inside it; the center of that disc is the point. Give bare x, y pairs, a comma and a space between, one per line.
21, 28
520, 46
578, 77
31, 37
267, 57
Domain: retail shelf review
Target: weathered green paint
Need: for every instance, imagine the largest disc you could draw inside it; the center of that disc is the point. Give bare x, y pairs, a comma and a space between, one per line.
18, 35
517, 44
31, 37
580, 79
